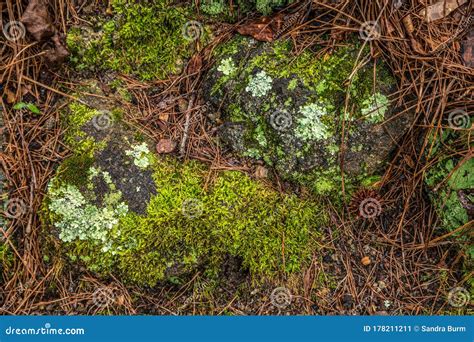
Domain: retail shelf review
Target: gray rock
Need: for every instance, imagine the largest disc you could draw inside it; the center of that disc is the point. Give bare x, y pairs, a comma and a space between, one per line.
288, 110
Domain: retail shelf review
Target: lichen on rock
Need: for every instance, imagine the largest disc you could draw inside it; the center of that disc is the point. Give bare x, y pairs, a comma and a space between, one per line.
451, 184
222, 8
120, 209
291, 111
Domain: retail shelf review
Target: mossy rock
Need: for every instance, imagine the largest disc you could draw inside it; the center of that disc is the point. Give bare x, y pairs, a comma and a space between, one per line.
148, 39
289, 110
451, 185
120, 209
222, 8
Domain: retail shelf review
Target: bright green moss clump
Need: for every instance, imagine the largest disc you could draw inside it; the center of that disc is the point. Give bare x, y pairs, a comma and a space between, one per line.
187, 226
454, 184
144, 39
223, 7
188, 222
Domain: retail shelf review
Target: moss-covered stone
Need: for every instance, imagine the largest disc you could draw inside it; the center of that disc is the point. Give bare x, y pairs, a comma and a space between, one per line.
291, 111
451, 184
120, 209
229, 10
149, 39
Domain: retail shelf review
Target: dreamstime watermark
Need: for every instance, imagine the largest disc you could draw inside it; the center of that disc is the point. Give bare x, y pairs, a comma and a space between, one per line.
370, 30
15, 208
459, 119
280, 297
397, 4
46, 330
102, 121
14, 31
192, 30
461, 27
370, 208
192, 208
459, 297
280, 120
103, 297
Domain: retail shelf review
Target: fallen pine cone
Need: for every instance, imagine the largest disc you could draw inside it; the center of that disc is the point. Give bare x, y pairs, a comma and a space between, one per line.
366, 203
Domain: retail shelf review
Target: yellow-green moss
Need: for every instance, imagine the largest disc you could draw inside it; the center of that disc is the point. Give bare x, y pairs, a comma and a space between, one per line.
188, 224
143, 39
271, 232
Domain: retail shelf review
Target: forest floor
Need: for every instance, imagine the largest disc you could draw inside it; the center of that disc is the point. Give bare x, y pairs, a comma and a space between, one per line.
397, 262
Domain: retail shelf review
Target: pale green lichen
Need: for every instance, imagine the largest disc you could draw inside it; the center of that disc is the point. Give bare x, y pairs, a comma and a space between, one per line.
310, 126
259, 84
140, 154
227, 67
80, 219
374, 108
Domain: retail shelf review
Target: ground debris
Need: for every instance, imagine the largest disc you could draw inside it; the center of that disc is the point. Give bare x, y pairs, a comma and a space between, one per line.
38, 23
440, 9
468, 49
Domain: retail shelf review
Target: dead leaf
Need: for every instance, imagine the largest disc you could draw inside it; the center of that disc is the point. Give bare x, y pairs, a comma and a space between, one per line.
59, 53
165, 146
261, 172
37, 20
408, 23
365, 261
164, 116
183, 105
11, 97
121, 300
440, 9
259, 30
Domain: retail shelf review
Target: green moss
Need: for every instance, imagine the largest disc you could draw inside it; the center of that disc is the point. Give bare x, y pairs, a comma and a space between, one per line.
452, 180
143, 39
222, 8
271, 232
318, 120
375, 107
453, 214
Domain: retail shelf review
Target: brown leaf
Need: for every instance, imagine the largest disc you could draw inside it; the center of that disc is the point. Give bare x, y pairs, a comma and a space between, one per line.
183, 105
365, 261
164, 116
120, 300
59, 53
259, 30
165, 146
440, 9
37, 20
11, 97
408, 23
261, 172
